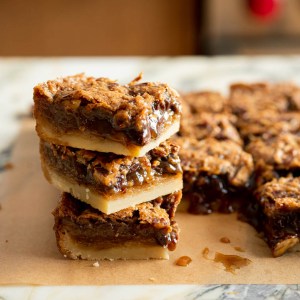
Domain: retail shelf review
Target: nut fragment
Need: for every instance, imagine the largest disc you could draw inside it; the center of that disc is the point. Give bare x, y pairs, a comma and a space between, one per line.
284, 245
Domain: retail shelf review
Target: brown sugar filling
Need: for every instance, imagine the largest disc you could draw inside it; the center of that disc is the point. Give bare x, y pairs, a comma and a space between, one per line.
109, 173
147, 224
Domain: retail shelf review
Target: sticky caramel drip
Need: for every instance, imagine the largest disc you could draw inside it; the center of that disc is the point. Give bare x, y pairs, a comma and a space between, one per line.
231, 262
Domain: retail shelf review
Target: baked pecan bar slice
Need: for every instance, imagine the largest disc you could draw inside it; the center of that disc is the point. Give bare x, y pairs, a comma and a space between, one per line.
145, 231
255, 97
278, 214
111, 182
217, 175
102, 115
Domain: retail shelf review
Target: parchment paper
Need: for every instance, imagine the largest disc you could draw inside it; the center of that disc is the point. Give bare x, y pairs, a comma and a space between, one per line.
28, 253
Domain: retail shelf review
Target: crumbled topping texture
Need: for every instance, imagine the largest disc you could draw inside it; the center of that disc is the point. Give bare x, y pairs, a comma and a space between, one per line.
266, 124
279, 195
281, 152
205, 101
214, 125
215, 157
251, 98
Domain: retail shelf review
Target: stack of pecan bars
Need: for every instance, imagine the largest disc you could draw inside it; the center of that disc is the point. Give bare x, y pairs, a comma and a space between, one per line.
243, 153
106, 147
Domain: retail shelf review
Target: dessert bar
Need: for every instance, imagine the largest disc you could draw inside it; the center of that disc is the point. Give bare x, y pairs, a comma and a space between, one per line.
216, 174
278, 214
100, 114
145, 231
275, 157
266, 124
214, 125
206, 101
111, 182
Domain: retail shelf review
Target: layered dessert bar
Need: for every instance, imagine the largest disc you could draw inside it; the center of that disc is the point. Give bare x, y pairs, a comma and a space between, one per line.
111, 182
210, 125
205, 101
275, 157
278, 214
101, 115
145, 231
266, 124
252, 98
217, 175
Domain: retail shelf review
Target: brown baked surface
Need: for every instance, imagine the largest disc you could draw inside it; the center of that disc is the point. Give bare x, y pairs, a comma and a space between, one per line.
204, 101
210, 125
215, 157
282, 152
251, 98
265, 124
135, 113
109, 173
216, 175
147, 223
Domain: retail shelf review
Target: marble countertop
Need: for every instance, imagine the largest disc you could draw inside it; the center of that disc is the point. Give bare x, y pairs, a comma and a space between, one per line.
19, 75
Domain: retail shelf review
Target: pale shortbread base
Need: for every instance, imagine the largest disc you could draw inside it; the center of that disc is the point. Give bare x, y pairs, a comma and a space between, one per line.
111, 204
86, 140
129, 250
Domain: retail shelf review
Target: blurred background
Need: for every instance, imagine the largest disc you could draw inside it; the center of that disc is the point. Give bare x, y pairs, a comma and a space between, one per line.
149, 27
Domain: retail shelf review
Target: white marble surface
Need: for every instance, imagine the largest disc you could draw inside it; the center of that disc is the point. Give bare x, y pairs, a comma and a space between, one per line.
19, 75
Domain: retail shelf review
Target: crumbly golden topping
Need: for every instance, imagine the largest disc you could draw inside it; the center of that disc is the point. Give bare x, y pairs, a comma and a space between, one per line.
142, 107
279, 194
214, 125
205, 101
281, 152
265, 124
216, 158
251, 98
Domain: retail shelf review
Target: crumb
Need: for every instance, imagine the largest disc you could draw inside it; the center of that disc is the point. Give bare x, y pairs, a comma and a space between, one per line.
96, 264
225, 240
111, 259
65, 256
152, 279
8, 166
6, 241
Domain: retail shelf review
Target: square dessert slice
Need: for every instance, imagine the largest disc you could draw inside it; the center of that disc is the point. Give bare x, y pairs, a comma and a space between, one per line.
101, 115
111, 182
145, 231
210, 125
275, 157
278, 204
216, 175
251, 98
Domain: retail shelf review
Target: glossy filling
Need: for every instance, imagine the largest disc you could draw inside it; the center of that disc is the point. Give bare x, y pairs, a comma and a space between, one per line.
105, 125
